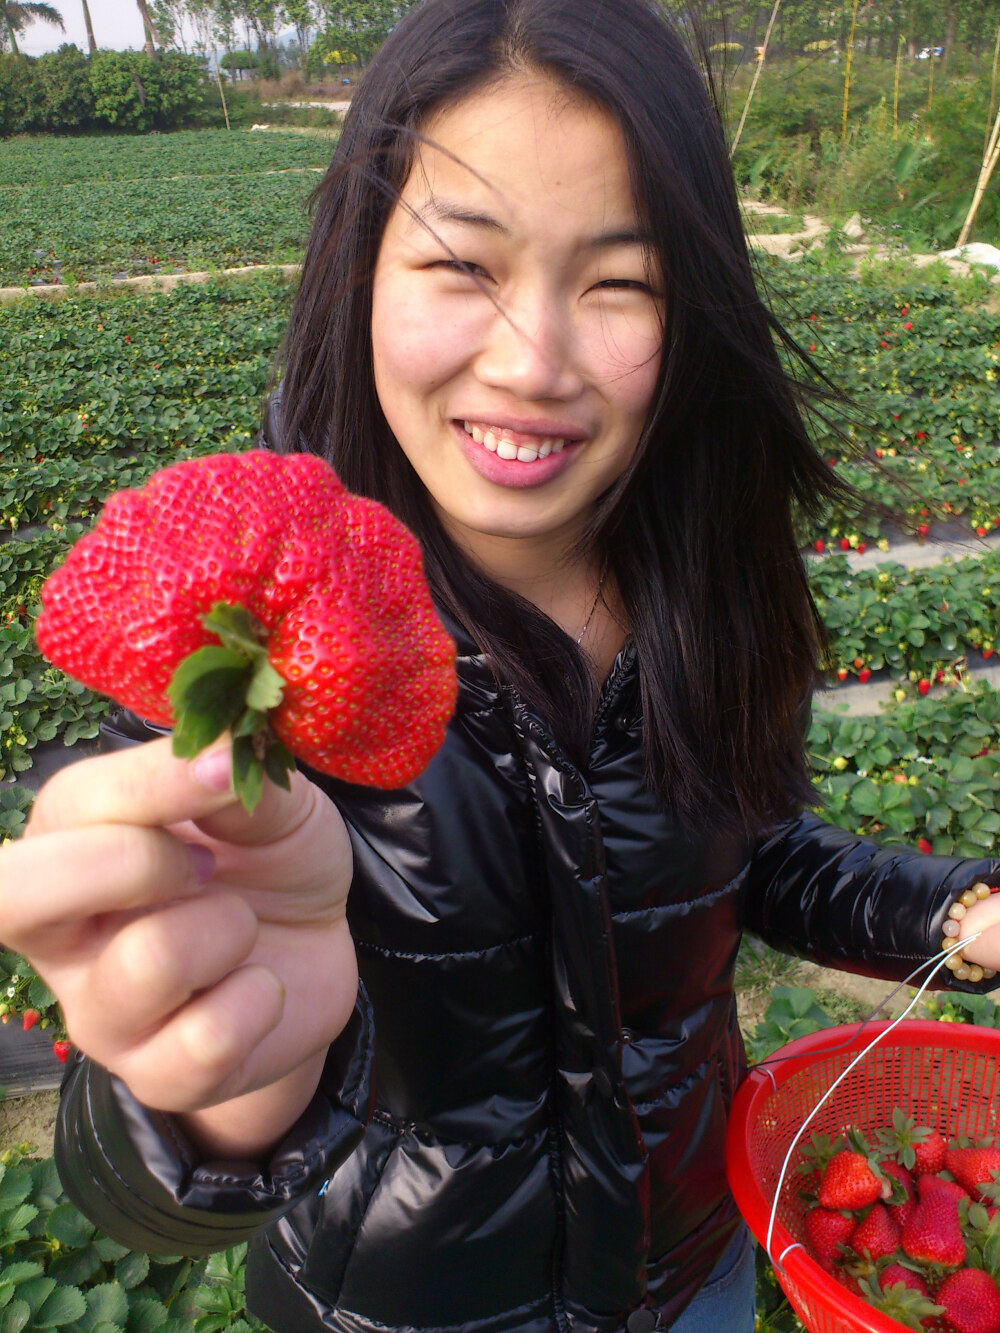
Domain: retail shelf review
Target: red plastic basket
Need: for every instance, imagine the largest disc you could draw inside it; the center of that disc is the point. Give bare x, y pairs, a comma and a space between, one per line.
946, 1075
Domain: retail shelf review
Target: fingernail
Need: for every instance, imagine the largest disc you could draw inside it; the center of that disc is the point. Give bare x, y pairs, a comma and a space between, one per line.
213, 769
203, 860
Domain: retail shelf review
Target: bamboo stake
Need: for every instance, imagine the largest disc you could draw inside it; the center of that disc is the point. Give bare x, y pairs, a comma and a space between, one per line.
993, 93
756, 76
930, 85
895, 90
989, 165
218, 79
847, 73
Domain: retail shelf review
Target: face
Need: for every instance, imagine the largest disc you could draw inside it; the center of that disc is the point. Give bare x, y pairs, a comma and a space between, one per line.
517, 320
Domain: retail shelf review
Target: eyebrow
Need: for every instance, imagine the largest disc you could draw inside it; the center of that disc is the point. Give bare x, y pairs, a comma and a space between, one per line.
446, 212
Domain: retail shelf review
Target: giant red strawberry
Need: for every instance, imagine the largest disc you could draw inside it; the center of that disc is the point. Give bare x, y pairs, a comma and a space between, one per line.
252, 592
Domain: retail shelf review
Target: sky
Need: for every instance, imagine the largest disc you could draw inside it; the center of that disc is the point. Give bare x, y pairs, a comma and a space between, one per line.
117, 25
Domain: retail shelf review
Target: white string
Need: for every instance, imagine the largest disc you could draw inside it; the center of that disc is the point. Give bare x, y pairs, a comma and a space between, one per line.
941, 959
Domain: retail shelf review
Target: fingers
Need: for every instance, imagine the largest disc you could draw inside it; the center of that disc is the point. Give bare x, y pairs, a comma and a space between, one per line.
148, 785
85, 872
153, 966
982, 919
197, 1059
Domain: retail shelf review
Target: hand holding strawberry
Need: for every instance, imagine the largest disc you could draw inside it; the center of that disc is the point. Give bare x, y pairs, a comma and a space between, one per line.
199, 953
251, 592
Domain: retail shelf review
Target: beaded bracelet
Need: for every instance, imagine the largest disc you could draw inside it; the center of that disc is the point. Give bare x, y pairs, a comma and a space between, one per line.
955, 963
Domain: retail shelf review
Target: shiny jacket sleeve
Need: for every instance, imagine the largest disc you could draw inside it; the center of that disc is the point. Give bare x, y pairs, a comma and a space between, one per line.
843, 901
134, 1174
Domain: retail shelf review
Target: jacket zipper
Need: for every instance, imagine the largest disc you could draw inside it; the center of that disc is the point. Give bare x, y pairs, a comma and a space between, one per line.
555, 1158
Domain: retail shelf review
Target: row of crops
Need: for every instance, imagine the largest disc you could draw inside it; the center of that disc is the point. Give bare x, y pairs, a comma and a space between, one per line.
153, 204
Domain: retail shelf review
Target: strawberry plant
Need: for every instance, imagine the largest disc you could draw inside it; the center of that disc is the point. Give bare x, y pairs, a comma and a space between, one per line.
60, 1271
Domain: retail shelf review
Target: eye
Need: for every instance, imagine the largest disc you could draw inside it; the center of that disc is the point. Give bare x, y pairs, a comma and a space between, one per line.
624, 285
464, 267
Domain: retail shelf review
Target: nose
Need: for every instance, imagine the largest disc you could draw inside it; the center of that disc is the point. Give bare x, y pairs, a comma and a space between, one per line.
530, 351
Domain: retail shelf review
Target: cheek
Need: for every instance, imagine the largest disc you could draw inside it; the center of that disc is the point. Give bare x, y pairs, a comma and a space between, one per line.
625, 364
415, 347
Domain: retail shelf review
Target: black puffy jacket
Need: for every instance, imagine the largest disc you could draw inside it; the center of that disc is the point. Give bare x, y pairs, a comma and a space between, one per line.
549, 961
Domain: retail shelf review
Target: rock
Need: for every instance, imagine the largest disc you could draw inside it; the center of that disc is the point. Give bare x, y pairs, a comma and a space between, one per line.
976, 253
853, 229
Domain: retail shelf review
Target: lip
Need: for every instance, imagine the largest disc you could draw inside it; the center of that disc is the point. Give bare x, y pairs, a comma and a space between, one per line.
545, 427
510, 472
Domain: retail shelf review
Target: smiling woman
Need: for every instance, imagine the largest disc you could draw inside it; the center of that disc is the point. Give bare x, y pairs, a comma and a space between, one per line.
527, 323
516, 239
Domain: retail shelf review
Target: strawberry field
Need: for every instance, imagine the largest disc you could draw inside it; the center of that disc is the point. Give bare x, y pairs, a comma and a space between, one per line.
76, 213
97, 391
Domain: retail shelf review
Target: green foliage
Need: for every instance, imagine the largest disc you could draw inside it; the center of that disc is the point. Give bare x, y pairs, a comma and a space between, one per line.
68, 97
60, 1271
792, 1013
22, 98
136, 92
913, 180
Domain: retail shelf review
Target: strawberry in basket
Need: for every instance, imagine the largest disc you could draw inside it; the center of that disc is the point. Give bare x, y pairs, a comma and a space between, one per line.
252, 592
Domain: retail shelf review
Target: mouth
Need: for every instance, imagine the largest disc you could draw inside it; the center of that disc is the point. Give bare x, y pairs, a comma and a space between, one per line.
512, 445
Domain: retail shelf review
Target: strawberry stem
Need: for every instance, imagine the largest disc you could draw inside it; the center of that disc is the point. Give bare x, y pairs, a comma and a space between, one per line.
232, 686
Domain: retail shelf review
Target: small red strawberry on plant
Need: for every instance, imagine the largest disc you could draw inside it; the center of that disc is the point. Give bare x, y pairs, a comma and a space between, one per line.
29, 1018
61, 1050
252, 593
971, 1301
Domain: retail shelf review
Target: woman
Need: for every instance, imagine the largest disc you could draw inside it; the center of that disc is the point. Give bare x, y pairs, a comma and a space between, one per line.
527, 323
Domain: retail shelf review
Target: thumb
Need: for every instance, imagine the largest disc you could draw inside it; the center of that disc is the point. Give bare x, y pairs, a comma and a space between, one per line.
277, 813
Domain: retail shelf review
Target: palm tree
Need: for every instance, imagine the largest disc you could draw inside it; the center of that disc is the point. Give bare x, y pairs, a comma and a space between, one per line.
152, 36
92, 45
15, 17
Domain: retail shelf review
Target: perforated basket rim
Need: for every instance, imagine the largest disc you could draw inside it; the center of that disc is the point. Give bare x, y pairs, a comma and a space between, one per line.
752, 1097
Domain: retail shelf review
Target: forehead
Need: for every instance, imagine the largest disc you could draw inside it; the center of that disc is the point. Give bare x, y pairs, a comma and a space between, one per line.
523, 149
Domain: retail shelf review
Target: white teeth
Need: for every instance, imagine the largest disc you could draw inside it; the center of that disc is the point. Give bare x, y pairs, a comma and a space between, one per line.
498, 444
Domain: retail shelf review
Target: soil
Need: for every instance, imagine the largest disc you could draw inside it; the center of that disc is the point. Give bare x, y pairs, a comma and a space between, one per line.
29, 1120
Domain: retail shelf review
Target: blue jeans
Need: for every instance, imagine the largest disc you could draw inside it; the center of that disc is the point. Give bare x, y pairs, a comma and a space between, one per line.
725, 1304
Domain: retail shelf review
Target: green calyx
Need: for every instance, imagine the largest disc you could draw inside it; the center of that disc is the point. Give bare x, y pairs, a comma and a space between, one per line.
232, 687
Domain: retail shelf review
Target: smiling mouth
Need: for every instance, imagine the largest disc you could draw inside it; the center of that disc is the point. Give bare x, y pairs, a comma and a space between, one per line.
512, 445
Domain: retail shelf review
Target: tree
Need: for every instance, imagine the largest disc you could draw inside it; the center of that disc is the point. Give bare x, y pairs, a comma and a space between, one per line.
16, 17
152, 36
91, 43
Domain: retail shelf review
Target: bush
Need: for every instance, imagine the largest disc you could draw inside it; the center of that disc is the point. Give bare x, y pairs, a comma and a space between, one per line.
22, 98
136, 92
64, 76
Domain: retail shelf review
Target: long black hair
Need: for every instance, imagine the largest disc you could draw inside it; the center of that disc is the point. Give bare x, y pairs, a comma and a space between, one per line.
698, 531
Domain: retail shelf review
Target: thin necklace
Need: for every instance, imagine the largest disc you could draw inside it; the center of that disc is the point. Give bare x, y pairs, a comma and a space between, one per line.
597, 598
